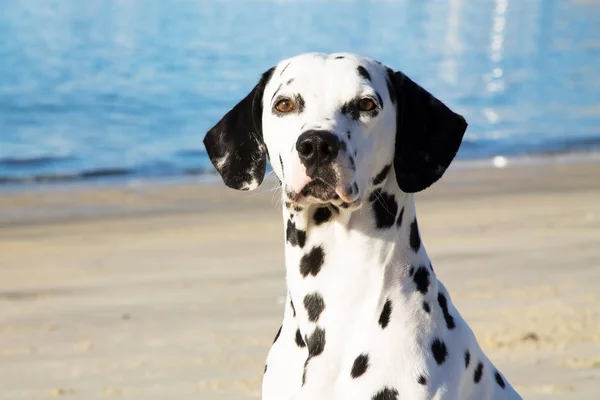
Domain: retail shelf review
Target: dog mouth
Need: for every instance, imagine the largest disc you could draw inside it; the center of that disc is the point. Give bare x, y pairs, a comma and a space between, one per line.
320, 191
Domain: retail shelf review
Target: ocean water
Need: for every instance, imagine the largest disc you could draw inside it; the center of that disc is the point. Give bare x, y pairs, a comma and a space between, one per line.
102, 88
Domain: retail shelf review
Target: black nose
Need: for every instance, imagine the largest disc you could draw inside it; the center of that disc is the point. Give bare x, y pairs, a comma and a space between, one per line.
317, 148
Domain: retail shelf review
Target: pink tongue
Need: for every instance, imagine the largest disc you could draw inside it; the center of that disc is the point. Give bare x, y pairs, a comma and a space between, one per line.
297, 186
299, 178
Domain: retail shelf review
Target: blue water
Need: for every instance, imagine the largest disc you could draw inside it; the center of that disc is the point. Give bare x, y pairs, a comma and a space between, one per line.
99, 88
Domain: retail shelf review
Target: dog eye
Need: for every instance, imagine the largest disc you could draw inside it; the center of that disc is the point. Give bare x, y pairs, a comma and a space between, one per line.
285, 106
366, 104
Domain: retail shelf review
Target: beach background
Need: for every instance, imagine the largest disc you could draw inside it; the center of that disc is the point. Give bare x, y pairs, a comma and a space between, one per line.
128, 271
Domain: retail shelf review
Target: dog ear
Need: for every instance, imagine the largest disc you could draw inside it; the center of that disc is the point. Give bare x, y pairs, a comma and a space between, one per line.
235, 144
428, 134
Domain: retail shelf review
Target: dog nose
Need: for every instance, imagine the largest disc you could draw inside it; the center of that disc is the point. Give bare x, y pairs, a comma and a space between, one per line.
317, 148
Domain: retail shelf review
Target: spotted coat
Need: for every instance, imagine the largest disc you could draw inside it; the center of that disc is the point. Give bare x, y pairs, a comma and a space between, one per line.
366, 317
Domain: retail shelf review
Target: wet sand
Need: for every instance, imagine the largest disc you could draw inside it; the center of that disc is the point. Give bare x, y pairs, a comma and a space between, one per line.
175, 291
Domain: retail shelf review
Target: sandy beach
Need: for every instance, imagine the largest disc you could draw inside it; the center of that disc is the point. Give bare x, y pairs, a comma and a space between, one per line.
175, 291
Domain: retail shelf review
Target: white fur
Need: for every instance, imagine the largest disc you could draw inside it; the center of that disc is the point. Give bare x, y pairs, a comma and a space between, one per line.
364, 266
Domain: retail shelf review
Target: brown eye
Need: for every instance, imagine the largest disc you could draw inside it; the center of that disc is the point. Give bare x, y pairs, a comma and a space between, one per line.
366, 105
284, 106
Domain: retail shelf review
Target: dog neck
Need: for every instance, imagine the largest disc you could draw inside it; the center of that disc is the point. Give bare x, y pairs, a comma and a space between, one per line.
342, 266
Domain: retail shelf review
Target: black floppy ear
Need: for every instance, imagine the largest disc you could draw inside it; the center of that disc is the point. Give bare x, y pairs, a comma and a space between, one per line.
428, 134
235, 144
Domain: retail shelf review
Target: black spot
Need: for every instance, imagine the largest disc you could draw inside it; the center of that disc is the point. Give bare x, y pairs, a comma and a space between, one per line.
345, 205
352, 164
351, 109
299, 103
421, 279
265, 369
278, 333
334, 209
384, 208
360, 366
349, 134
499, 380
312, 262
380, 99
422, 380
426, 307
364, 73
294, 236
411, 271
478, 373
288, 205
343, 146
444, 306
298, 208
439, 351
322, 215
299, 340
284, 68
400, 216
339, 57
281, 162
380, 177
415, 239
304, 373
384, 318
277, 91
289, 81
386, 394
314, 305
293, 308
467, 358
316, 342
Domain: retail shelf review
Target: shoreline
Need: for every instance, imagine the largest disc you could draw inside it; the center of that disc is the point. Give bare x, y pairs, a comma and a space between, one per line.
210, 177
86, 200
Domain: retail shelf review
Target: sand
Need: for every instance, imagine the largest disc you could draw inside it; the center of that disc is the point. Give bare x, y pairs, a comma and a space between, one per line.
175, 291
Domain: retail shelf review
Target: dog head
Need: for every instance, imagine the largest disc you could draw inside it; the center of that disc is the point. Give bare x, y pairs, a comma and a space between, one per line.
333, 127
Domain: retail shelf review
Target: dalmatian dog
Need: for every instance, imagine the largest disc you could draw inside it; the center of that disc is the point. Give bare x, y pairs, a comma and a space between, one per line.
351, 141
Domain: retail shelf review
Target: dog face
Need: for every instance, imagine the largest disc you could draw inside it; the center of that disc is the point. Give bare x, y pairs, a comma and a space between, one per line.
333, 127
326, 123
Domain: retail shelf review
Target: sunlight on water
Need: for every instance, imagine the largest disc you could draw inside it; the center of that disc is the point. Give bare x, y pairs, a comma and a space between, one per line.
112, 88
